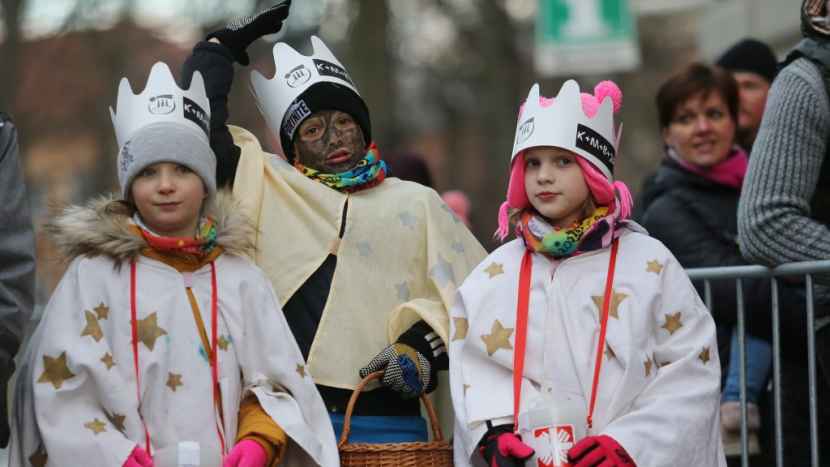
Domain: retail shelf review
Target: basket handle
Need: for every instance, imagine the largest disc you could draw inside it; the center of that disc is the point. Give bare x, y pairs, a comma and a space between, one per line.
347, 419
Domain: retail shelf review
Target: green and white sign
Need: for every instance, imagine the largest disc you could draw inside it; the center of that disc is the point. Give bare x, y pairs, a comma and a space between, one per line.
585, 36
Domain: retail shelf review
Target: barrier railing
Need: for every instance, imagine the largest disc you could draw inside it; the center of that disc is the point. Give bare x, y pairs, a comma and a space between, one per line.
737, 273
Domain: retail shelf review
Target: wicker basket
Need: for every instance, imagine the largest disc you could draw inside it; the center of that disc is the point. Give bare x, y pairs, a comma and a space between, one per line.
436, 453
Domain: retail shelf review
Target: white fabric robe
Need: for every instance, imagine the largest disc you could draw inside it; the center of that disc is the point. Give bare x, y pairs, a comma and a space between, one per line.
83, 411
658, 392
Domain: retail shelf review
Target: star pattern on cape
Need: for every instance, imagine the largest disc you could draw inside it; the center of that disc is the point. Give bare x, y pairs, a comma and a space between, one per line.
466, 386
55, 371
96, 426
443, 271
39, 457
455, 217
608, 352
116, 420
301, 370
461, 327
616, 299
494, 269
457, 247
148, 330
672, 323
108, 361
364, 249
222, 342
654, 266
648, 363
704, 355
174, 381
408, 220
499, 338
403, 291
102, 311
92, 329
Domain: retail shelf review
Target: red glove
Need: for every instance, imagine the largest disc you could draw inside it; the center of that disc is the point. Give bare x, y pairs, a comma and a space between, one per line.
138, 458
599, 451
501, 448
248, 453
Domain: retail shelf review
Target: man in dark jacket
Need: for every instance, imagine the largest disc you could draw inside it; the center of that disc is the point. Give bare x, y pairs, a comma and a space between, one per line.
17, 262
785, 209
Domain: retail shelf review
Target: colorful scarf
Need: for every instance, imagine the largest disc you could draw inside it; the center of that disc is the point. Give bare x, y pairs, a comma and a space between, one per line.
368, 172
730, 172
595, 232
199, 246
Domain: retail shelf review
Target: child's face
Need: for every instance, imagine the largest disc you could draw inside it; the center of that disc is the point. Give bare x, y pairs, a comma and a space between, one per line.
329, 141
169, 197
555, 185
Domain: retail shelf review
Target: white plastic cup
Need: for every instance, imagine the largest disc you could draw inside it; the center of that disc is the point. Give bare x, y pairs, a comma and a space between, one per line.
551, 428
187, 454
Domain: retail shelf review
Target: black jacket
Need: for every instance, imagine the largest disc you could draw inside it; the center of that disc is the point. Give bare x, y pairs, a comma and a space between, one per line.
697, 220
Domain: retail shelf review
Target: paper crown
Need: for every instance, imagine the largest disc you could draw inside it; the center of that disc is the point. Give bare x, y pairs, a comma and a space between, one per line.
295, 73
565, 125
161, 101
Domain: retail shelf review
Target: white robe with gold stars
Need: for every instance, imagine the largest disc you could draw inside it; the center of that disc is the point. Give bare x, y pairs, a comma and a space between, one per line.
77, 400
658, 393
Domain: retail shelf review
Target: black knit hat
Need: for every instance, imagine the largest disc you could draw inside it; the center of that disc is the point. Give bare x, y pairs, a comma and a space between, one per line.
750, 56
323, 96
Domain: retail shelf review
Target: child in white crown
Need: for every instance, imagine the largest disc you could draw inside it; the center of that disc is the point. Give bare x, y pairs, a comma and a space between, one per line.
161, 332
612, 325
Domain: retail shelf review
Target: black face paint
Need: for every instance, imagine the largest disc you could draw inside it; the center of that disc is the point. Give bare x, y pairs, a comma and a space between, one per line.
329, 141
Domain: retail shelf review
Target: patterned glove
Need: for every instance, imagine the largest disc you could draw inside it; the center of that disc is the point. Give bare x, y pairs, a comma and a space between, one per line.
501, 448
138, 458
407, 371
247, 453
240, 34
599, 451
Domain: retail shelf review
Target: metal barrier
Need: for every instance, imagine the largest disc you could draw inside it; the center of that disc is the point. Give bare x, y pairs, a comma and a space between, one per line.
737, 273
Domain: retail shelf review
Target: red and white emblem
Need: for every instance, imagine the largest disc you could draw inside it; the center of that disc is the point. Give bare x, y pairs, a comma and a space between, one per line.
552, 445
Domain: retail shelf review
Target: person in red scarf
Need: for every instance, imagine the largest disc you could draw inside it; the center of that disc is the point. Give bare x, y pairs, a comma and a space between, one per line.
691, 204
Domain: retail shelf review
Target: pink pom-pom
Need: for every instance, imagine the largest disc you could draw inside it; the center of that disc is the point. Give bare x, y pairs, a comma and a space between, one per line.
504, 223
609, 89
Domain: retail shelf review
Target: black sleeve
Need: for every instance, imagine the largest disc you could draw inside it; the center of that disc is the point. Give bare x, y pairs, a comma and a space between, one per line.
215, 63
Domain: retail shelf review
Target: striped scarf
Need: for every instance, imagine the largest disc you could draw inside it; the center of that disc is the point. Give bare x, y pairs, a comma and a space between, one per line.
368, 172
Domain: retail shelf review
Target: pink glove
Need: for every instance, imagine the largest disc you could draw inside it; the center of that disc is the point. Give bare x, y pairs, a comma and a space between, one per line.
138, 458
599, 451
501, 448
248, 453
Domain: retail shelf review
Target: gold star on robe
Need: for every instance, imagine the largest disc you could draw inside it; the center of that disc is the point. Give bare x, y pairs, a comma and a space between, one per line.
616, 299
466, 386
96, 426
608, 352
92, 327
664, 364
222, 343
461, 327
301, 370
39, 457
116, 420
499, 338
648, 364
174, 381
102, 311
654, 266
108, 361
494, 270
148, 331
55, 371
672, 323
704, 356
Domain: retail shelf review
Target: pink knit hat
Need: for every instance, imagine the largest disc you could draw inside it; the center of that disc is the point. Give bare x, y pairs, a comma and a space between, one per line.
601, 188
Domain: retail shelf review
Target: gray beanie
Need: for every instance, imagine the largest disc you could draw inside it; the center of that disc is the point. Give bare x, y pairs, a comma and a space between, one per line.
166, 142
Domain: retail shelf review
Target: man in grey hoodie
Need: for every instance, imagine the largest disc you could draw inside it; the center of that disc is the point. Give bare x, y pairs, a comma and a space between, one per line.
17, 262
784, 212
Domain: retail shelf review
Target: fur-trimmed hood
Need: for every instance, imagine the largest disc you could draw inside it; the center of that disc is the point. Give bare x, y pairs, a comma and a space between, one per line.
102, 227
